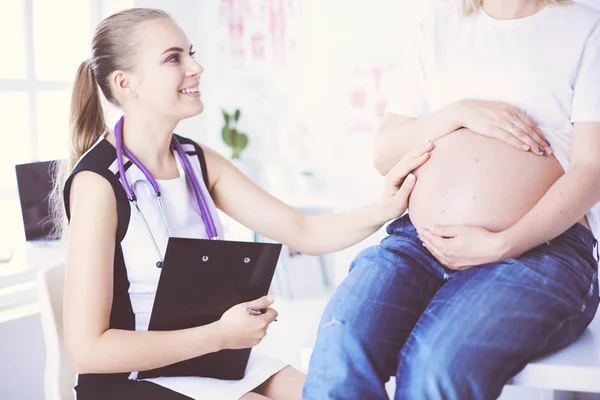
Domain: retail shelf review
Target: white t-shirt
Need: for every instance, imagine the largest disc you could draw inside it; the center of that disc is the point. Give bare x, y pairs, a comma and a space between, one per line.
547, 64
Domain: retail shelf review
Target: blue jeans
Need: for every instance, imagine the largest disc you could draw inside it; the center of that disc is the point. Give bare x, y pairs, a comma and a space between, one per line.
449, 334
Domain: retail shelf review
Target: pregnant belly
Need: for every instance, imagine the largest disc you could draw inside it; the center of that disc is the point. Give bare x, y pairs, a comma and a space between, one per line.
475, 180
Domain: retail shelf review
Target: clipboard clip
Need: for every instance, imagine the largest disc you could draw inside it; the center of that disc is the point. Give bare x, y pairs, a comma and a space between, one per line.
206, 258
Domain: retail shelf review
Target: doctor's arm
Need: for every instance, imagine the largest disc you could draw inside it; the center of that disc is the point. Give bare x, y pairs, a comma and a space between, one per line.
248, 204
92, 345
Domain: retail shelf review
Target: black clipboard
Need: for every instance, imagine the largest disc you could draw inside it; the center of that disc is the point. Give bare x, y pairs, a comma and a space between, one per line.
199, 281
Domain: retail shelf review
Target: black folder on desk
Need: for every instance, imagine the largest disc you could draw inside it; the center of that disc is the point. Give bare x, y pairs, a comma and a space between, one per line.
200, 280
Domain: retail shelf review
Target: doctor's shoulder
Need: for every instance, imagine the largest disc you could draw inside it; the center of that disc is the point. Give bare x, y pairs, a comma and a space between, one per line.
91, 198
93, 226
91, 180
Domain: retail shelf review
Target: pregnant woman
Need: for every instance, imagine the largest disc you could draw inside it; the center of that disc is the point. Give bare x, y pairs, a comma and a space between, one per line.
496, 262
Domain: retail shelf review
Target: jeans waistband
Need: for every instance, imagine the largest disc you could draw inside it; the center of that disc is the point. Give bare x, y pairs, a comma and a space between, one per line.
402, 225
405, 226
584, 234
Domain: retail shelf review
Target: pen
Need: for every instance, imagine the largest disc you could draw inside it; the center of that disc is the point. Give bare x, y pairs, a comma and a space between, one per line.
254, 311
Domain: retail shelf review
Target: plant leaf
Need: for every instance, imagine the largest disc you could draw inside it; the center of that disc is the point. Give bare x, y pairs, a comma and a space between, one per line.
227, 134
241, 141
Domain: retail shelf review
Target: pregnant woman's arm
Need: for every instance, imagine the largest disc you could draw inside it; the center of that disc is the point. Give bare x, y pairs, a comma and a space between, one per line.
498, 120
398, 134
568, 200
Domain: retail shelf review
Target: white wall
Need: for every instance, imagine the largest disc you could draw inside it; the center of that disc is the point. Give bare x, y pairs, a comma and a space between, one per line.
313, 101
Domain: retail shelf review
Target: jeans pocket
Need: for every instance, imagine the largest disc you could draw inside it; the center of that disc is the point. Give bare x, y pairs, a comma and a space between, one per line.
558, 262
576, 251
585, 256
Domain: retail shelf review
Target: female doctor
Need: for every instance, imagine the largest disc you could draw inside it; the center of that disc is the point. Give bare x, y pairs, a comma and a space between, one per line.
143, 62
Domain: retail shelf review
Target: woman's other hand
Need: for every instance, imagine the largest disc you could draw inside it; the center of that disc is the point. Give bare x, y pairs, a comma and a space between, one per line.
460, 246
399, 182
241, 330
503, 122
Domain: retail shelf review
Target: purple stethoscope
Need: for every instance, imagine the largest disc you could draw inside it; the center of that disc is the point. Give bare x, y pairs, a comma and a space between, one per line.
209, 223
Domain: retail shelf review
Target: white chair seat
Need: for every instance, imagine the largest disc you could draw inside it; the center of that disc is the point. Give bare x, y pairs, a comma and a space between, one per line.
574, 368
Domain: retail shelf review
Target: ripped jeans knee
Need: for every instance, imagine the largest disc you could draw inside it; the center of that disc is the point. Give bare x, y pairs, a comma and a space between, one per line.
333, 321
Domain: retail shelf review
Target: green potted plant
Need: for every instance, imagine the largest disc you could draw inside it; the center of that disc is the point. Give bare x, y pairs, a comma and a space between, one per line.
236, 140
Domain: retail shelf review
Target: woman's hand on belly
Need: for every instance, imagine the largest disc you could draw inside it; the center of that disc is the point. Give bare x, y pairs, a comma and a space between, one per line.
461, 247
503, 122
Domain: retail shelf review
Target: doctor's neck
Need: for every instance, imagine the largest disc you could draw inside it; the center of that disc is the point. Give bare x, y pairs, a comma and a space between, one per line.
512, 9
149, 139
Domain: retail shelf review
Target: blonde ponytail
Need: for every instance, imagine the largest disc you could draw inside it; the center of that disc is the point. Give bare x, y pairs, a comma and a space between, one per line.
86, 123
87, 117
113, 48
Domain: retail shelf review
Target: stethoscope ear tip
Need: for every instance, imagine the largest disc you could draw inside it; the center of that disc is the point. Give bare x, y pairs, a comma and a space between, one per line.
159, 264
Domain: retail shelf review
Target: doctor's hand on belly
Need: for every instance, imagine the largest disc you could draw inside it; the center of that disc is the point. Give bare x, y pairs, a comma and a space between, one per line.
399, 181
503, 122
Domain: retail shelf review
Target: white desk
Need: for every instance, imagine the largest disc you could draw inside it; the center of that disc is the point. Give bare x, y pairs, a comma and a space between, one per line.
27, 259
18, 297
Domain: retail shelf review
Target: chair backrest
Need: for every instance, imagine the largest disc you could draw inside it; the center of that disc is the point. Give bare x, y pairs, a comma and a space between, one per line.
59, 378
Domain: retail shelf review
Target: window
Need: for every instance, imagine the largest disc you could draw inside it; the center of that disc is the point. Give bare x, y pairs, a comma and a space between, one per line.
11, 21
43, 46
14, 114
61, 40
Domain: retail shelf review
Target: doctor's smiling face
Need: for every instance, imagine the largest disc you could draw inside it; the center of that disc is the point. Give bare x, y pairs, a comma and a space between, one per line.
165, 77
